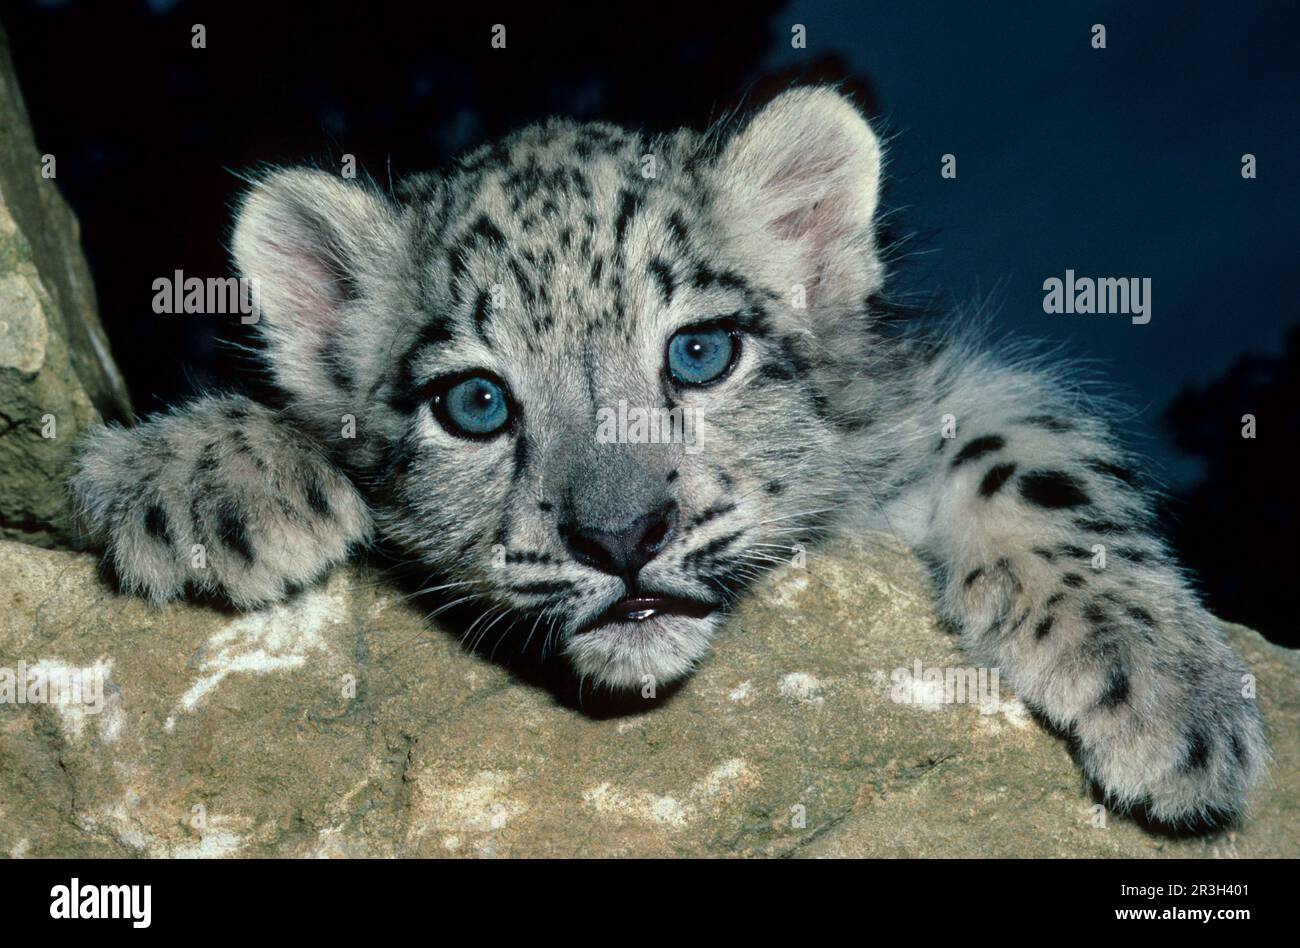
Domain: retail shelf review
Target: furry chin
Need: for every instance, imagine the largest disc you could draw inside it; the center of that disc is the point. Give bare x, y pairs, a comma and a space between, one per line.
632, 655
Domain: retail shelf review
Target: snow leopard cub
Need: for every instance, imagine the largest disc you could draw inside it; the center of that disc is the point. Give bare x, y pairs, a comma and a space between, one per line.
444, 354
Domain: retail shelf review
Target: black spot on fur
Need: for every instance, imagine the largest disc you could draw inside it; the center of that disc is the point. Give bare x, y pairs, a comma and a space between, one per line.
526, 287
753, 319
1116, 690
706, 277
231, 533
1238, 748
677, 228
775, 487
972, 576
1198, 751
1073, 580
711, 548
995, 478
521, 456
978, 448
337, 367
821, 405
1044, 627
316, 498
482, 312
399, 458
155, 524
1094, 614
545, 506
1053, 490
793, 363
405, 395
543, 588
664, 274
732, 281
626, 208
776, 370
711, 513
485, 230
1141, 615
244, 448
208, 460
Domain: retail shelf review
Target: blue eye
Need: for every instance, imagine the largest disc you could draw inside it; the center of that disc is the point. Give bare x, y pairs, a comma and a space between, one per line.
699, 355
476, 407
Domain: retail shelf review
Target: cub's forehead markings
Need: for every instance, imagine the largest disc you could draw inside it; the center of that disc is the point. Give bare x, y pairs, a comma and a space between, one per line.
482, 315
678, 231
404, 396
483, 232
662, 271
528, 171
484, 229
628, 204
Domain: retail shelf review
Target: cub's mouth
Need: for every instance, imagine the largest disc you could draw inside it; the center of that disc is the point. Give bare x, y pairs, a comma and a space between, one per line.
650, 636
635, 610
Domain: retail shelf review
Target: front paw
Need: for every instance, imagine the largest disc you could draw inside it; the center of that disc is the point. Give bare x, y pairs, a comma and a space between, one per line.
221, 498
1178, 740
1159, 707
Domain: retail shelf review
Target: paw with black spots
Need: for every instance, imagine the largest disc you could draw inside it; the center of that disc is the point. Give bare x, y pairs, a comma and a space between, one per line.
221, 497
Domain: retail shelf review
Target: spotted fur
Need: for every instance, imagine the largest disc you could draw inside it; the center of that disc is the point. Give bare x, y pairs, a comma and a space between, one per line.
552, 261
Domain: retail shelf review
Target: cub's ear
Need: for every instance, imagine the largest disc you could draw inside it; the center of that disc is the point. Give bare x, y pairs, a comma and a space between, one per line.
798, 187
321, 254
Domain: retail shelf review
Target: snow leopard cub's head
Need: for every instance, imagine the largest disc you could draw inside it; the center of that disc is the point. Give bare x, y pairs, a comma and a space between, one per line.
500, 353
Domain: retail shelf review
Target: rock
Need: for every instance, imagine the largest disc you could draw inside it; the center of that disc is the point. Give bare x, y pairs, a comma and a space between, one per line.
56, 374
221, 734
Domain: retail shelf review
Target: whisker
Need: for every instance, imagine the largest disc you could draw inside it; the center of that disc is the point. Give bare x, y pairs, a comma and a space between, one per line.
379, 660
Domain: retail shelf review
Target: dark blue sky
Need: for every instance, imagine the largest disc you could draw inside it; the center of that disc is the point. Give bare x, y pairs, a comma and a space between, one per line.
1117, 162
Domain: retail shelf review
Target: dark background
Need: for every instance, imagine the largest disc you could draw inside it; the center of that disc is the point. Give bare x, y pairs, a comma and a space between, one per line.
1117, 162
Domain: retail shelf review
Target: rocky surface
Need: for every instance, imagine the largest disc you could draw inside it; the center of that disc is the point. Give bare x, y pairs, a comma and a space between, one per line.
56, 374
225, 735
